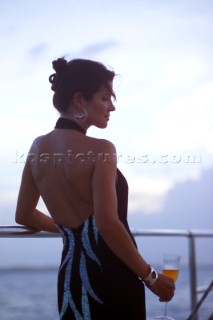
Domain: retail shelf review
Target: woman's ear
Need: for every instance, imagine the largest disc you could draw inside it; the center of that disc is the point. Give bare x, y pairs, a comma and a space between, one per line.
79, 100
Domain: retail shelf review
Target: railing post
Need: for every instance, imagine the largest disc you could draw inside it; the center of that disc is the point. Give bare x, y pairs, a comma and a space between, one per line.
192, 273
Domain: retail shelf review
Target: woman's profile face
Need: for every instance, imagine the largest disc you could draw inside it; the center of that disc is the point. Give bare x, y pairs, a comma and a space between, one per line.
99, 107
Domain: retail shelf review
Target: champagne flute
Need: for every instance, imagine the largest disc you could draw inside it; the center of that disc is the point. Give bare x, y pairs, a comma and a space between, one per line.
171, 270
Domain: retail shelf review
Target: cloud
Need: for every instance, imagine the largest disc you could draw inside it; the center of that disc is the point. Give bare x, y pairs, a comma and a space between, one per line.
178, 146
147, 194
185, 124
182, 71
146, 203
38, 50
98, 47
183, 204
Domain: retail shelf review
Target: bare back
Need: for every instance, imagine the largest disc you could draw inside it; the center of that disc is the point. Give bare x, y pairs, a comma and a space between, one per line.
62, 164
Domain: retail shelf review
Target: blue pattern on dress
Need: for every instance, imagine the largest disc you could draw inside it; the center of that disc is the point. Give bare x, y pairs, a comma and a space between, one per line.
95, 229
86, 243
85, 305
64, 242
85, 279
86, 289
67, 298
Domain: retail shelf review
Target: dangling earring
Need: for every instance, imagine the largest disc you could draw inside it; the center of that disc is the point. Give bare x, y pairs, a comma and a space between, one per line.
80, 116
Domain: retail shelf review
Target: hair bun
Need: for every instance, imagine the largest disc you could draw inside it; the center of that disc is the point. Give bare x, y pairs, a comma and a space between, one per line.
59, 65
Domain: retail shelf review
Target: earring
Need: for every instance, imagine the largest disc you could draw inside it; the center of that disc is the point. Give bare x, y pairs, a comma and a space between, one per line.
80, 116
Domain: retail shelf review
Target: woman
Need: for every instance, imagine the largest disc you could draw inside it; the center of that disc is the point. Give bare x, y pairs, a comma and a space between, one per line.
102, 274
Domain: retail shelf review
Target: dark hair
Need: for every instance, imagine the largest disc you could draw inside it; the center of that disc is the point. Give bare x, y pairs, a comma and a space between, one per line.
78, 75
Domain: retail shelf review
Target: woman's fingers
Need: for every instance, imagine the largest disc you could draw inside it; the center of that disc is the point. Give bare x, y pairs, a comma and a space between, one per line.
167, 296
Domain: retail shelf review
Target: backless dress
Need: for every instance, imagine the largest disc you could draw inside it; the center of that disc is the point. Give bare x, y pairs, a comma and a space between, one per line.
93, 283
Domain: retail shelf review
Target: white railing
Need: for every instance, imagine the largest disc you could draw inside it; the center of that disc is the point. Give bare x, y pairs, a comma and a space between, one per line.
191, 235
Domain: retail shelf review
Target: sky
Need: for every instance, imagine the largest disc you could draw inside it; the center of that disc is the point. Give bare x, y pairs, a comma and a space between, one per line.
162, 128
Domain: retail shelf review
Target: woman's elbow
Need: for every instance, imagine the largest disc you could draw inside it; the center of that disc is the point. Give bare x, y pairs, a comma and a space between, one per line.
20, 218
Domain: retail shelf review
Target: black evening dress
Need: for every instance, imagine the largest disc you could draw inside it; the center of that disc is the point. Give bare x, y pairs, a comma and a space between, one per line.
93, 283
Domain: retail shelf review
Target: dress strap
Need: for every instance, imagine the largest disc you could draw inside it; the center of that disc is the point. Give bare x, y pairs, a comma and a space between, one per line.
65, 123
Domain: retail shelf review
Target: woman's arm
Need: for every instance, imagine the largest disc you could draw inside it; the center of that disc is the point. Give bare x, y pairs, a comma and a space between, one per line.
26, 212
105, 208
111, 228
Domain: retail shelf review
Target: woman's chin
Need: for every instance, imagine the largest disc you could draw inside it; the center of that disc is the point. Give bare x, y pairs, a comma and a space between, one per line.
102, 125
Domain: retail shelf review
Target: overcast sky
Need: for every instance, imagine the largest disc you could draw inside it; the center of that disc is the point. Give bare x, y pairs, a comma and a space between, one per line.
162, 52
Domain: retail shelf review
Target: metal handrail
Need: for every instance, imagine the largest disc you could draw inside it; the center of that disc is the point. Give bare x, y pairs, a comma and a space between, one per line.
24, 232
206, 292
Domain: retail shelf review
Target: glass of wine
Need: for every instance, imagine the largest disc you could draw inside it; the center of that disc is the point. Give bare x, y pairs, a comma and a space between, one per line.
171, 270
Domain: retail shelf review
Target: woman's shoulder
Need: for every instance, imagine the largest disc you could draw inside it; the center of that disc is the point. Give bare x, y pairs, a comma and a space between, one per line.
102, 145
104, 152
39, 141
